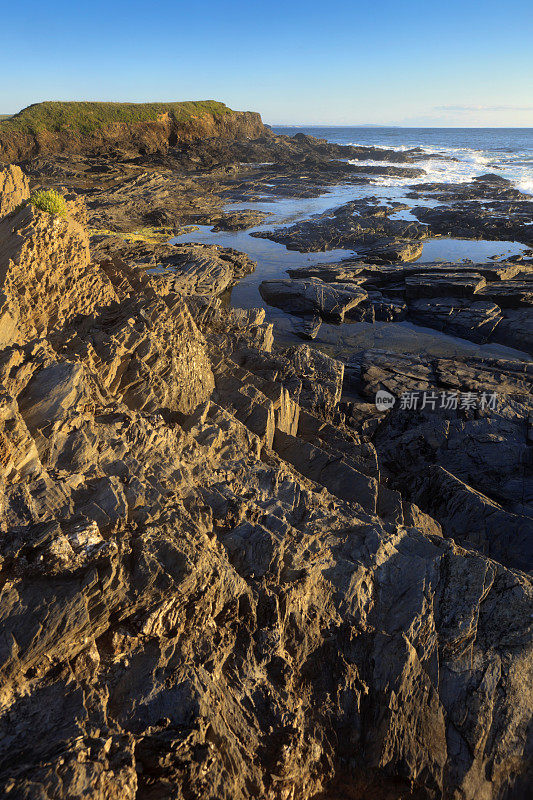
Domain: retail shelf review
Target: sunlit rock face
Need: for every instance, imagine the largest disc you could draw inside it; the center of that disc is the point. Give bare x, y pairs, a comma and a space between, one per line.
14, 189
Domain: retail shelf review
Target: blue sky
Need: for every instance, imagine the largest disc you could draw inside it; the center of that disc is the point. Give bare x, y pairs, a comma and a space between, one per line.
415, 62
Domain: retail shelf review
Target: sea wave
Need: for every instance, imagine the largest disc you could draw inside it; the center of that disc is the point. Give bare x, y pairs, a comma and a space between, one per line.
460, 165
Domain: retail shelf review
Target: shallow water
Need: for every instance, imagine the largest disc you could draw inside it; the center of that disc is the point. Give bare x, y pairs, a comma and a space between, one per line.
273, 260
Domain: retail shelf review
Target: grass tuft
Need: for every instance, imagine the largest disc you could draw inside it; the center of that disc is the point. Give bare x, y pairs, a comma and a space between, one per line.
49, 200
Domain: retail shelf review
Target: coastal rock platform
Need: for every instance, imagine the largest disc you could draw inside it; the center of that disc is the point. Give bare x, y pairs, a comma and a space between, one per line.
227, 571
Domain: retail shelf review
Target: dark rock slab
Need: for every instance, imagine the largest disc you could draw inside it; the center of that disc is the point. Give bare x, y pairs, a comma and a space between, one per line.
475, 221
516, 329
301, 297
308, 327
439, 284
359, 270
475, 321
344, 229
387, 252
239, 220
509, 294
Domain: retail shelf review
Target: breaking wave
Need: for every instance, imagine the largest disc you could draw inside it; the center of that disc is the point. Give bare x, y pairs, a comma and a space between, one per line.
458, 165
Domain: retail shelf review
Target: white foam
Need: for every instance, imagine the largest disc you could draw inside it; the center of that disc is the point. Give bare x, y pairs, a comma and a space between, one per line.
457, 165
526, 186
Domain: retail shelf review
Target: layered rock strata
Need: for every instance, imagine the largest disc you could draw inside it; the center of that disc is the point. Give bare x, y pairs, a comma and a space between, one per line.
212, 584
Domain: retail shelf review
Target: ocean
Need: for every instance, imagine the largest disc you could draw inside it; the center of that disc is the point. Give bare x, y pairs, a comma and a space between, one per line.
467, 152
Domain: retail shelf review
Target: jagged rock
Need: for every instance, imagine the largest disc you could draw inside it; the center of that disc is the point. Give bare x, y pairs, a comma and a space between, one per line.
246, 328
252, 408
19, 455
262, 405
46, 279
412, 515
151, 354
14, 189
472, 519
197, 270
50, 393
321, 376
356, 452
337, 476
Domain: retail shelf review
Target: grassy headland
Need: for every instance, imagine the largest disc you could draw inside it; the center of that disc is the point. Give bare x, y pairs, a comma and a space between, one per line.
89, 117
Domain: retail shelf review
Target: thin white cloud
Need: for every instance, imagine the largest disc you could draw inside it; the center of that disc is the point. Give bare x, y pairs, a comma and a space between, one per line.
467, 109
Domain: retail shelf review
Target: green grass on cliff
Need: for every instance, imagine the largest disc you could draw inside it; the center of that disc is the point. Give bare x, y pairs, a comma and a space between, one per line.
87, 118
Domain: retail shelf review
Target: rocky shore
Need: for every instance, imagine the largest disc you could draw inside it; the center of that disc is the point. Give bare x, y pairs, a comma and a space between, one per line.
227, 572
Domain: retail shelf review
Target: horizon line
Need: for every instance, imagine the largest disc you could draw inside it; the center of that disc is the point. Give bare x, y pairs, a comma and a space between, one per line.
406, 127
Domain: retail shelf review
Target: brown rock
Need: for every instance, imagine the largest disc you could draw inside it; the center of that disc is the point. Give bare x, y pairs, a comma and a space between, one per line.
14, 189
46, 278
